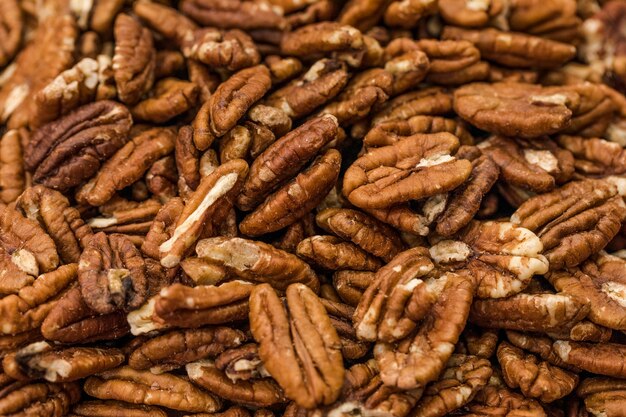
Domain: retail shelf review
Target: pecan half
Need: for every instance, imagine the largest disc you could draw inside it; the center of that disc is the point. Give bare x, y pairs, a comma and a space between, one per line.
599, 358
388, 133
12, 22
231, 49
429, 101
302, 350
39, 399
334, 254
12, 173
105, 408
234, 14
171, 97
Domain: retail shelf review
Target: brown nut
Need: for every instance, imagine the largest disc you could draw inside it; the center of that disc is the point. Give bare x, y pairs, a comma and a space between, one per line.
89, 80
407, 13
256, 261
296, 198
124, 216
555, 19
39, 399
60, 221
72, 321
573, 222
134, 61
316, 87
63, 153
186, 307
399, 296
165, 20
416, 167
407, 70
530, 312
13, 22
515, 109
332, 253
237, 14
341, 316
466, 13
12, 172
452, 62
321, 38
284, 158
536, 379
232, 50
115, 409
598, 358
593, 113
418, 359
463, 377
390, 132
282, 69
596, 157
429, 101
514, 49
502, 402
112, 274
127, 165
179, 347
47, 55
143, 387
602, 396
362, 14
350, 285
301, 350
161, 178
41, 360
535, 164
368, 233
478, 342
25, 310
172, 97
219, 186
162, 227
229, 103
540, 346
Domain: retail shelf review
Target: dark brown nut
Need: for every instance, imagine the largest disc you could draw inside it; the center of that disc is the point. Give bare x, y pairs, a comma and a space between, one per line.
221, 185
186, 307
69, 150
237, 14
112, 274
162, 227
368, 233
388, 133
241, 363
363, 393
229, 103
514, 109
257, 262
362, 14
282, 69
47, 55
514, 49
114, 409
418, 359
573, 222
187, 161
143, 387
206, 80
430, 101
165, 20
603, 396
341, 316
59, 220
467, 13
596, 157
284, 158
91, 79
162, 177
179, 347
599, 280
407, 70
296, 198
254, 392
168, 63
535, 164
127, 165
539, 345
41, 360
232, 50
407, 13
463, 377
536, 379
12, 173
295, 233
365, 92
452, 62
72, 321
322, 38
398, 298
416, 167
301, 350
350, 285
26, 309
12, 22
172, 97
598, 358
319, 85
530, 312
124, 216
134, 61
478, 342
604, 42
41, 399
332, 253
500, 401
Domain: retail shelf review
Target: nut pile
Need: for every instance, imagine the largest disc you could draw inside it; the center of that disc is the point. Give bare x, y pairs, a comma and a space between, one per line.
312, 208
